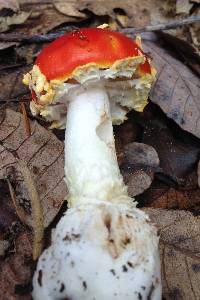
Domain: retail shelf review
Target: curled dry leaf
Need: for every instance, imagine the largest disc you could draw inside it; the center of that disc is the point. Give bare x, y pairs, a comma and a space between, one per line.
10, 15
177, 159
185, 50
138, 166
177, 89
124, 134
124, 12
15, 19
183, 6
34, 17
194, 30
44, 17
135, 13
43, 153
11, 86
68, 9
9, 4
179, 250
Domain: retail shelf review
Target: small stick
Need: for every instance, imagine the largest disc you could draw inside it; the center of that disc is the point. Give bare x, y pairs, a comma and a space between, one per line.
37, 38
42, 38
26, 119
37, 214
19, 210
165, 26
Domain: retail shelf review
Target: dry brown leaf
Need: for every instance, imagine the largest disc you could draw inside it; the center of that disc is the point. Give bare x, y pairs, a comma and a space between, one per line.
177, 89
195, 31
174, 199
185, 50
183, 6
9, 4
177, 158
138, 165
44, 17
180, 252
139, 12
11, 86
141, 155
69, 9
124, 134
7, 19
43, 153
16, 19
4, 244
16, 270
8, 217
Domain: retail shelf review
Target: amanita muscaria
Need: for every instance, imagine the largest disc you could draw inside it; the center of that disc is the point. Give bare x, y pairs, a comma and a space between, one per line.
103, 248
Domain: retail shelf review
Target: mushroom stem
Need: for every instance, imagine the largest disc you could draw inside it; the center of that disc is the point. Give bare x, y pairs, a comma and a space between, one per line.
91, 167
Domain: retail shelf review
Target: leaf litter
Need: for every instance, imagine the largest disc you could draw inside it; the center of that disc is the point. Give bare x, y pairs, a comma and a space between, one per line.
176, 90
160, 172
43, 153
179, 249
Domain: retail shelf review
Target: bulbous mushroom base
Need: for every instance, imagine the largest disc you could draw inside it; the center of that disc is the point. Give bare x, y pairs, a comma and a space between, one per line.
100, 251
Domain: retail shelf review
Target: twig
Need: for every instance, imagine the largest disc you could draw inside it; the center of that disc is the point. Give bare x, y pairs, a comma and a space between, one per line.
38, 38
42, 38
37, 215
19, 210
26, 119
165, 26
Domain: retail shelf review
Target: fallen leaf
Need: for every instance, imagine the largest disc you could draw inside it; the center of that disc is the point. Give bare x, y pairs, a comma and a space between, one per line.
135, 13
44, 17
69, 9
11, 86
124, 134
137, 181
34, 17
8, 217
15, 19
16, 270
139, 154
15, 251
6, 45
138, 166
174, 199
179, 249
43, 153
194, 30
4, 244
9, 9
185, 50
9, 4
177, 89
177, 158
130, 13
183, 6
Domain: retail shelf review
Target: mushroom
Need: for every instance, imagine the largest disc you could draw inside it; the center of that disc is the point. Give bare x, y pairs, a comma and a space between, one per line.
103, 247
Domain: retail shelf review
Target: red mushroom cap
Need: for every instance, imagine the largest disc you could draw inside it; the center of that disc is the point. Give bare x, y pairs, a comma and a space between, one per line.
88, 45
